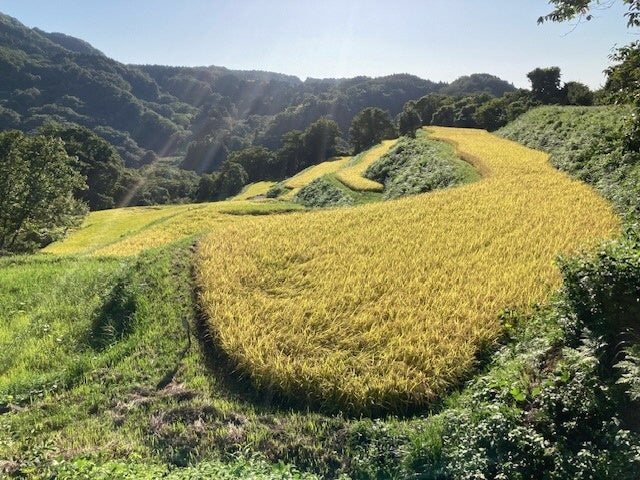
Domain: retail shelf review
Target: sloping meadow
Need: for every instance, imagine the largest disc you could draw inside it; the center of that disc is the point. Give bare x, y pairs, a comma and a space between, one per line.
382, 308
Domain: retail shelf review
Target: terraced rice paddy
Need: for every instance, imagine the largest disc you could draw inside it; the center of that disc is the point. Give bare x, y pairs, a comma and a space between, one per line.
254, 190
351, 175
128, 231
383, 307
308, 175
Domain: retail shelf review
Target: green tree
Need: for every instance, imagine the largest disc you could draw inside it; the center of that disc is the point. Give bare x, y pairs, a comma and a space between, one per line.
429, 104
545, 85
290, 156
370, 126
37, 181
257, 162
409, 120
578, 93
97, 161
320, 140
444, 116
491, 115
623, 78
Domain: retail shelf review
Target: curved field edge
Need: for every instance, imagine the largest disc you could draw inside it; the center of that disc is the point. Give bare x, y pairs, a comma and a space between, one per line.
352, 174
384, 307
129, 231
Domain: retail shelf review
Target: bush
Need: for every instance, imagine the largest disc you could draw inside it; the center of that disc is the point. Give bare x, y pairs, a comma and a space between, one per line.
321, 193
603, 288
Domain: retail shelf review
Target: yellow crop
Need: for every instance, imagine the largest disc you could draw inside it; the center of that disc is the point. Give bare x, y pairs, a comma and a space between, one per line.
107, 226
308, 175
351, 175
384, 306
127, 231
253, 190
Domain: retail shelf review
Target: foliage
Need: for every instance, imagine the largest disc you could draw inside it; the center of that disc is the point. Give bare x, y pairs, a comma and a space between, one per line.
302, 323
581, 9
478, 83
370, 126
419, 165
577, 93
158, 184
603, 290
545, 85
97, 161
223, 184
321, 193
37, 181
409, 120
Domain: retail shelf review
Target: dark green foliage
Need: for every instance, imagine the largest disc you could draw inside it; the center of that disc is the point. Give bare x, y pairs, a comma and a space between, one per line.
603, 290
545, 85
624, 75
257, 162
478, 83
37, 181
291, 155
491, 115
419, 165
70, 43
429, 104
156, 185
97, 161
277, 190
321, 193
409, 120
443, 116
223, 184
564, 10
320, 141
577, 93
370, 126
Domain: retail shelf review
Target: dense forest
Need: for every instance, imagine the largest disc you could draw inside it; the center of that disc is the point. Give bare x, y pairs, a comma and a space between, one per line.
204, 112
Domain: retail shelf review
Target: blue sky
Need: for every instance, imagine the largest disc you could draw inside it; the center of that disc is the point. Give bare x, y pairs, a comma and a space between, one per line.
434, 39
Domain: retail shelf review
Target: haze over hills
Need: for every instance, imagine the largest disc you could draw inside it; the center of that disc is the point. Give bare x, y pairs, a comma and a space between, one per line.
54, 77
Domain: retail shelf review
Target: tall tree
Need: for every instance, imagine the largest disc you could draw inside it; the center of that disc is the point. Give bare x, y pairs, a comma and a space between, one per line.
409, 120
320, 140
97, 161
370, 126
37, 181
545, 85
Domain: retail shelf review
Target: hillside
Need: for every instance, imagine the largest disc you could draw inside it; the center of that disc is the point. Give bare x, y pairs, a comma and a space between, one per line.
54, 77
109, 369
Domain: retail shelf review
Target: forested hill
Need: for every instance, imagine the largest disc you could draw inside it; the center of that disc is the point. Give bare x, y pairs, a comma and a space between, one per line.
55, 77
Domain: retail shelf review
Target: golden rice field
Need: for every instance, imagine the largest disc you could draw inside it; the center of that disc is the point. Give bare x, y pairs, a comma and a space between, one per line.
351, 175
308, 175
254, 190
128, 231
385, 306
